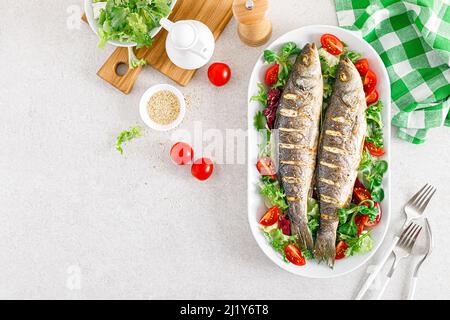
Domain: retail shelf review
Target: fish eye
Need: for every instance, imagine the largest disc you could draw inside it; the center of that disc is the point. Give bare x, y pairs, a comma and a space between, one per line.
344, 77
305, 60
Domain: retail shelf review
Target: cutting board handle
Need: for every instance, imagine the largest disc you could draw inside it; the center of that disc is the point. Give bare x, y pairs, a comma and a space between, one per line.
110, 71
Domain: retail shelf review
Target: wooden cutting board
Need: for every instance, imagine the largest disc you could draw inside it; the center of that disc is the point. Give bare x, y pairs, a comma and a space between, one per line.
214, 13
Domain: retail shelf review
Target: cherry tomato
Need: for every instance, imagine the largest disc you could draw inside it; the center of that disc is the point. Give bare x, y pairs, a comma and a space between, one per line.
266, 167
361, 194
270, 217
358, 184
181, 153
373, 149
363, 66
340, 250
294, 255
272, 74
219, 74
332, 44
360, 221
372, 97
370, 82
377, 218
202, 168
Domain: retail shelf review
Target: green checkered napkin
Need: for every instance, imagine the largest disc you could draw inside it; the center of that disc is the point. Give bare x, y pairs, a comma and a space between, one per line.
412, 38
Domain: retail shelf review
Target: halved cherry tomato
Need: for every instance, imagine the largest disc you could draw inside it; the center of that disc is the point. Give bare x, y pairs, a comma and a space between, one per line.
370, 82
332, 44
219, 74
270, 217
373, 149
361, 194
202, 168
181, 153
360, 221
372, 97
358, 184
377, 218
363, 66
272, 74
266, 167
340, 250
294, 255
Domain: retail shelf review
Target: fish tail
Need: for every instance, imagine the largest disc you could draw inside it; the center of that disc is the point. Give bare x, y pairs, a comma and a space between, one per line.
325, 247
304, 235
300, 227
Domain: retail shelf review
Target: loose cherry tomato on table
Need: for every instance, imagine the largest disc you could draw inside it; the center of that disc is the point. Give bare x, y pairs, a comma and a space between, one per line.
373, 149
272, 74
340, 250
181, 153
370, 82
266, 167
377, 218
363, 66
360, 221
219, 74
372, 97
270, 217
202, 168
294, 255
332, 44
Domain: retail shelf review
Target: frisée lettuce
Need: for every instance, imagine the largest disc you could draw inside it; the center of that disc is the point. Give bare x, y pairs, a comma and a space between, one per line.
129, 20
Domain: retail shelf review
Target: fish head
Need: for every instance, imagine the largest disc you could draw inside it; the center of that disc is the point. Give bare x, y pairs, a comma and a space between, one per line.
309, 62
348, 78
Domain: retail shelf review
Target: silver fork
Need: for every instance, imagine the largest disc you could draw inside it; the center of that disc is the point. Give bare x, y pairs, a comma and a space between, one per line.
401, 251
413, 209
412, 286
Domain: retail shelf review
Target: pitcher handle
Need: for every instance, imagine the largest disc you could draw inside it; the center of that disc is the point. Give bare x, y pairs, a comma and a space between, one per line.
166, 24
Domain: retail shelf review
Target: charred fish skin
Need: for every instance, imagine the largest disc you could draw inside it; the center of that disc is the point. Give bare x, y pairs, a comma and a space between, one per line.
340, 150
297, 123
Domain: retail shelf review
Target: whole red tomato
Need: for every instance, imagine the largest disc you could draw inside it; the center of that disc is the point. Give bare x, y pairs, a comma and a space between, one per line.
219, 74
181, 153
202, 168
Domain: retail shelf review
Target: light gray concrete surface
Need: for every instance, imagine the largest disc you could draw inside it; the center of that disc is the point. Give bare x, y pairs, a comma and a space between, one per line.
77, 220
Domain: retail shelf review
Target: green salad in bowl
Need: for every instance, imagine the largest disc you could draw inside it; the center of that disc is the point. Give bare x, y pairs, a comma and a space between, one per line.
127, 23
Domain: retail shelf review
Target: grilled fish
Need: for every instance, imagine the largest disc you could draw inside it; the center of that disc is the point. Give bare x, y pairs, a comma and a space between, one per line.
339, 155
297, 121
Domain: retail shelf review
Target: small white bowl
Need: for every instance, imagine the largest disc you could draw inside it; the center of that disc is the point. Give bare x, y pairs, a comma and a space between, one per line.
144, 111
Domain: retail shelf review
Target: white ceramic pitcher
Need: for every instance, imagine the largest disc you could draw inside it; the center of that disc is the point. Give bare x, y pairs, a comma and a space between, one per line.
190, 43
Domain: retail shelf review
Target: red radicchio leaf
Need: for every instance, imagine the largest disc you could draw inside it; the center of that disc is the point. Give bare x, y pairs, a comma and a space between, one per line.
273, 100
285, 225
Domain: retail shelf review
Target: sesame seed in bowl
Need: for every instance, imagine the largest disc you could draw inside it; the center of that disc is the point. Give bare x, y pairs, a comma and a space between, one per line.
162, 107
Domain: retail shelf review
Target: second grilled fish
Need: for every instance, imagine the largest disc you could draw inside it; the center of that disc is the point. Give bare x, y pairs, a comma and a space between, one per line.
339, 155
297, 121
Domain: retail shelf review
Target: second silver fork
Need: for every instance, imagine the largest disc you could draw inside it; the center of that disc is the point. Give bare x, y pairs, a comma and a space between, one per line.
402, 250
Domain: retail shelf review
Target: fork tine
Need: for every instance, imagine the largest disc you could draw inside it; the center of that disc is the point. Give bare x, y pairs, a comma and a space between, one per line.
414, 197
408, 234
422, 195
413, 239
425, 203
403, 235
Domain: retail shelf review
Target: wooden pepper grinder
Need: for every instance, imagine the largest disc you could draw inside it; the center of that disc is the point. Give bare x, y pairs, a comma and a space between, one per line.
254, 28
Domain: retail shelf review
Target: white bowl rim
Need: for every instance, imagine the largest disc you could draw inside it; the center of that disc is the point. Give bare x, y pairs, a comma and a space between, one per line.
264, 246
146, 97
94, 25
